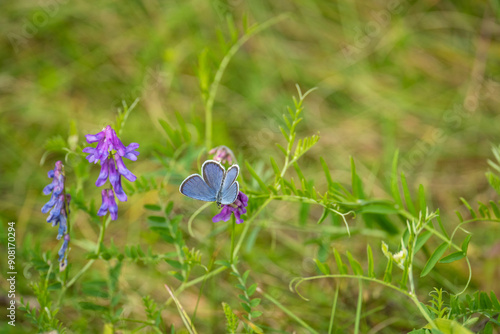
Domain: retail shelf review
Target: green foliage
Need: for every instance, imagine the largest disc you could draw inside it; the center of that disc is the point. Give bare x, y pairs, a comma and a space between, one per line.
312, 201
231, 319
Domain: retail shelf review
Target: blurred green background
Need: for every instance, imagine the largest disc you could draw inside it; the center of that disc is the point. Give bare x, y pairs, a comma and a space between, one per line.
419, 76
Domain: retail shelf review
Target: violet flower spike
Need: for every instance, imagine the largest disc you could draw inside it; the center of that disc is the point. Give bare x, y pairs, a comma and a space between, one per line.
107, 141
110, 152
238, 207
59, 209
57, 205
108, 204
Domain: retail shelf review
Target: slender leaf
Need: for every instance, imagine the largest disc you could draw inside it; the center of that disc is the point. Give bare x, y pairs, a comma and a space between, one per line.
433, 260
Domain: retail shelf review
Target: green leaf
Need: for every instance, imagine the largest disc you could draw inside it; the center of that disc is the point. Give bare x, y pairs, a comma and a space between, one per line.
369, 252
246, 307
465, 244
327, 172
472, 213
244, 298
323, 267
255, 302
224, 263
356, 267
433, 260
438, 218
256, 177
157, 219
447, 326
251, 289
453, 257
303, 213
494, 181
152, 207
276, 169
178, 276
174, 263
388, 271
323, 215
421, 240
93, 307
379, 208
282, 149
255, 314
340, 265
357, 186
495, 209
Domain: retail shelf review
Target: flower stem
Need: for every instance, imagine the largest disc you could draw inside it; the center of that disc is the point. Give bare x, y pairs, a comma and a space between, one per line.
105, 222
247, 226
334, 308
233, 228
358, 308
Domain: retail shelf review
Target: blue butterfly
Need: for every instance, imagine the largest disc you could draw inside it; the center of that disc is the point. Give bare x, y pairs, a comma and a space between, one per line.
216, 184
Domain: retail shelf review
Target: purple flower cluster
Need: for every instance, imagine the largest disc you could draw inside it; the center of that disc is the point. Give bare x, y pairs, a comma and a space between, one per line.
110, 153
238, 207
59, 203
223, 154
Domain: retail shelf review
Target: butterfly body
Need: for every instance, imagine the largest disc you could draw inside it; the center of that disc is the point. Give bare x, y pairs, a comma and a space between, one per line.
214, 185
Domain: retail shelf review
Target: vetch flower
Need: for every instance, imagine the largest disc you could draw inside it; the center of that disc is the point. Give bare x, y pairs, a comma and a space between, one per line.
107, 141
110, 152
108, 204
238, 207
63, 257
222, 154
59, 203
58, 214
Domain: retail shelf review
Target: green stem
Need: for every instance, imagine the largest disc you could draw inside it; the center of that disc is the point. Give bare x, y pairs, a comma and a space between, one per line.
193, 216
247, 226
105, 222
289, 313
334, 308
80, 273
156, 329
358, 308
233, 229
412, 297
200, 279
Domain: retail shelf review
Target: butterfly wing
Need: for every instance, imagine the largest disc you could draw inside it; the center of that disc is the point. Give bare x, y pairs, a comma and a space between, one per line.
195, 187
231, 175
213, 174
230, 194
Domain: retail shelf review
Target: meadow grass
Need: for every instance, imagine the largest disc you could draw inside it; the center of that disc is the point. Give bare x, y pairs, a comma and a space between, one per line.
400, 119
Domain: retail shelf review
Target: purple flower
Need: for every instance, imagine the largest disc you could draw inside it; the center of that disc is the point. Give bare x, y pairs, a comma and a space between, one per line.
222, 154
63, 258
58, 214
238, 207
59, 203
108, 141
108, 204
110, 151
